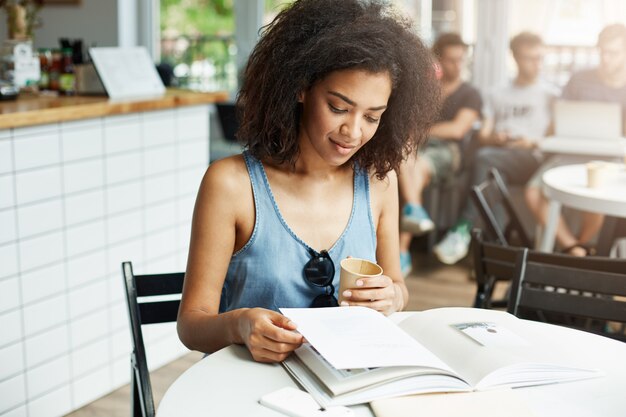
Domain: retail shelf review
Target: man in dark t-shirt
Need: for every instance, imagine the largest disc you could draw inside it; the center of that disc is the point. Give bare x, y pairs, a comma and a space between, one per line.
441, 157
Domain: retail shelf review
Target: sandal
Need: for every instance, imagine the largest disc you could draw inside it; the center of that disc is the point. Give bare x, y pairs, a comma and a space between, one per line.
589, 250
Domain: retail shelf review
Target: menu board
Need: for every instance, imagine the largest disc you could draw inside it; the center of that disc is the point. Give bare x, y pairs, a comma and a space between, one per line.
127, 72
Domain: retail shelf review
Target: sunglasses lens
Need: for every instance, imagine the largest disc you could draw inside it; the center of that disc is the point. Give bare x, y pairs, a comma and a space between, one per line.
324, 300
319, 271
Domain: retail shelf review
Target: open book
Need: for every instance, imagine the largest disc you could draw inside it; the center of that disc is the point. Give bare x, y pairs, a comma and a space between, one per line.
355, 355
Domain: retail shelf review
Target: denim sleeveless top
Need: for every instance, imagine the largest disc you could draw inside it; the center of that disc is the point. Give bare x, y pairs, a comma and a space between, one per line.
268, 271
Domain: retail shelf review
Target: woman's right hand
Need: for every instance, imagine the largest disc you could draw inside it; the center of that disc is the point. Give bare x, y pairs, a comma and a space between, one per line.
269, 336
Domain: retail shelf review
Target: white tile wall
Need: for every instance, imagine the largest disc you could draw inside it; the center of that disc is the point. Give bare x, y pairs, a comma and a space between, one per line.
121, 137
193, 123
8, 260
46, 314
125, 226
91, 386
90, 194
13, 392
16, 412
189, 180
11, 325
159, 128
90, 357
161, 244
55, 403
159, 216
84, 207
48, 376
120, 343
12, 360
41, 250
123, 167
88, 298
6, 156
89, 328
8, 231
194, 153
81, 140
46, 346
41, 283
120, 369
40, 217
160, 188
85, 268
85, 238
7, 191
9, 293
123, 197
40, 184
159, 160
83, 175
37, 150
127, 251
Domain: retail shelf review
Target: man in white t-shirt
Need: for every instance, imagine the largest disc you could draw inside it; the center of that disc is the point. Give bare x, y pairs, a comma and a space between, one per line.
606, 82
516, 117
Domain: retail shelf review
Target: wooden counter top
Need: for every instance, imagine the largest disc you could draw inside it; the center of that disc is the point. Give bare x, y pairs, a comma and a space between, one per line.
30, 110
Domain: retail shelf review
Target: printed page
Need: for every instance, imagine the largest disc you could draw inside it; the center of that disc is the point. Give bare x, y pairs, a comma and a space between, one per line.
359, 337
518, 354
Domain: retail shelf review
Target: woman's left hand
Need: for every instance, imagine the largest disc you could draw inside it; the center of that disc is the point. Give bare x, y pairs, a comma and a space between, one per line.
379, 293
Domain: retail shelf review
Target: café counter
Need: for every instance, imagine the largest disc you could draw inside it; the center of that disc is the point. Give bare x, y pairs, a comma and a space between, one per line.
85, 184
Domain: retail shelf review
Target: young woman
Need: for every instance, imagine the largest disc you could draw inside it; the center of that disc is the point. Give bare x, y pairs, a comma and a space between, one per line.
335, 93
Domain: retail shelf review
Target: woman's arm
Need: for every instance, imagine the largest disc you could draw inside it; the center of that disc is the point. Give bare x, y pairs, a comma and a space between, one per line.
386, 293
223, 220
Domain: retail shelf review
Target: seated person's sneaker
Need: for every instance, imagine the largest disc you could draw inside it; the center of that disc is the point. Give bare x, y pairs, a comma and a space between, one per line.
406, 265
414, 219
455, 244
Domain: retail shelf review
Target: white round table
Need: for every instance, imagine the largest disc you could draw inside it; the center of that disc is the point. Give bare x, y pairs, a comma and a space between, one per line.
230, 383
567, 186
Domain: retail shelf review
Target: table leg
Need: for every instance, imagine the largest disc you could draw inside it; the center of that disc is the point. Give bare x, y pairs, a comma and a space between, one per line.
549, 231
613, 228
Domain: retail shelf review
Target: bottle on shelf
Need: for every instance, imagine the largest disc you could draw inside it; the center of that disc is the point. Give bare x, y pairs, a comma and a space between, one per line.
67, 78
45, 61
55, 70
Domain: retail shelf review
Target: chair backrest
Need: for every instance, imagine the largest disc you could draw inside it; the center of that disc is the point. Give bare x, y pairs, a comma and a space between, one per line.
588, 293
227, 115
146, 311
493, 262
487, 196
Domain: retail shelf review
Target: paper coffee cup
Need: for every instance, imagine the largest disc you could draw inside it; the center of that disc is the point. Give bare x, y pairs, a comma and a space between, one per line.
599, 173
354, 268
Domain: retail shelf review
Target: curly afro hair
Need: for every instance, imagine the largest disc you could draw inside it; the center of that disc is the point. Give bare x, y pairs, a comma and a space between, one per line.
312, 38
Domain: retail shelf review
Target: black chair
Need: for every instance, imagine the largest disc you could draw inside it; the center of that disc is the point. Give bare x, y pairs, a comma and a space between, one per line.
444, 199
493, 263
227, 115
489, 195
587, 293
142, 312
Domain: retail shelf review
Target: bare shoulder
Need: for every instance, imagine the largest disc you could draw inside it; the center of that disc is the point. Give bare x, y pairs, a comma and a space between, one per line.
227, 177
383, 192
388, 184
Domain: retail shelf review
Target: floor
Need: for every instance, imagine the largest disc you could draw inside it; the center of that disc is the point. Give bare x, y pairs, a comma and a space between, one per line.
431, 285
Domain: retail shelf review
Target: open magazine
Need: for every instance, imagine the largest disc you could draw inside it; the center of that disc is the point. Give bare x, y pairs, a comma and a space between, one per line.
355, 355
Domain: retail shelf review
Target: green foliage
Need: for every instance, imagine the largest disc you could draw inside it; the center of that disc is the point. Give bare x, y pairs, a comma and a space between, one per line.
197, 17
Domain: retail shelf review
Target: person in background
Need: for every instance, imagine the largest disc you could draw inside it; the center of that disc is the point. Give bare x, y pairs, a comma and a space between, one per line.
607, 83
516, 117
441, 157
335, 94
